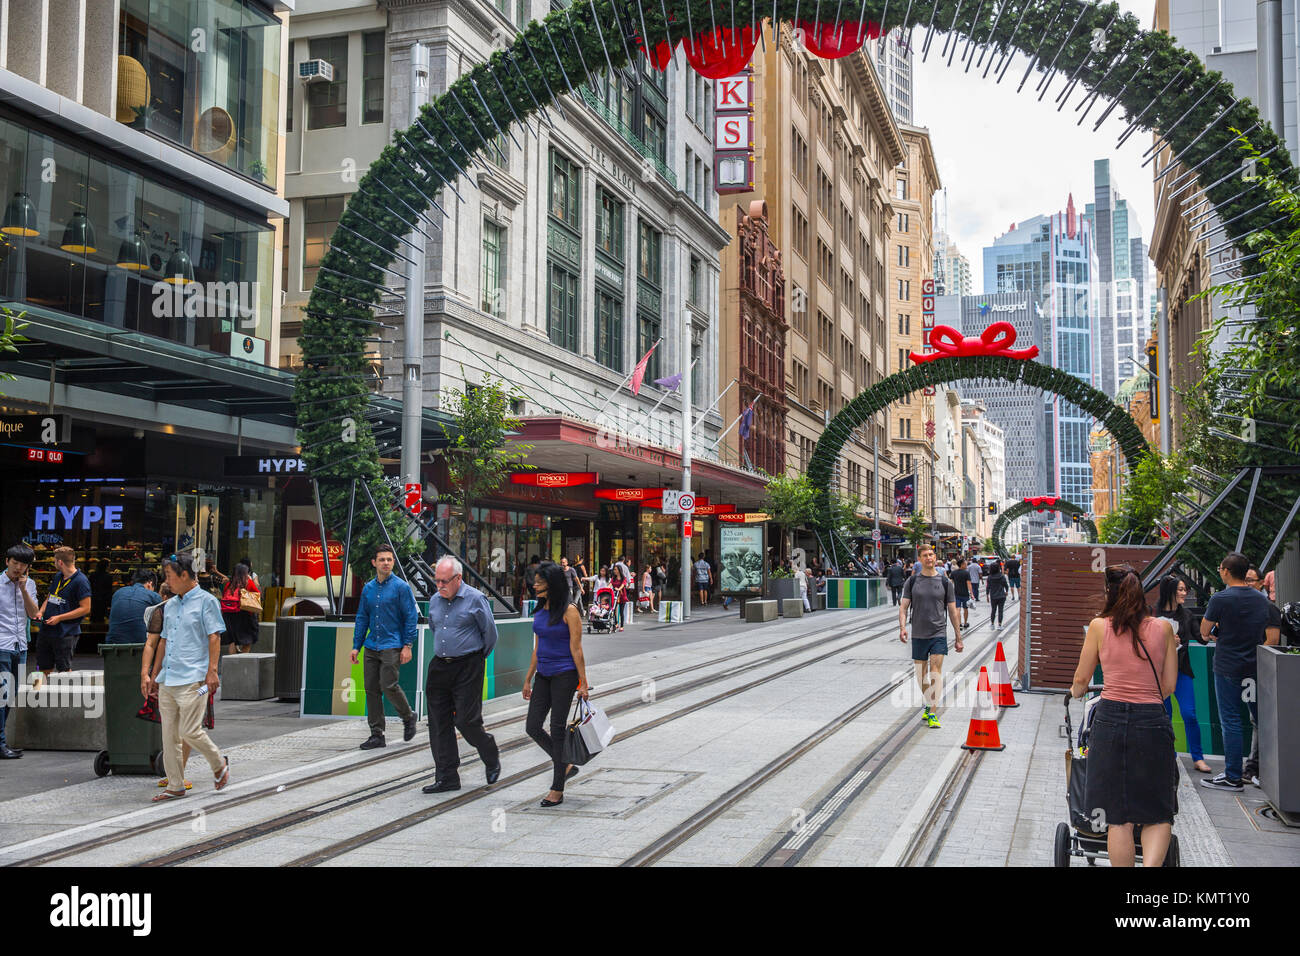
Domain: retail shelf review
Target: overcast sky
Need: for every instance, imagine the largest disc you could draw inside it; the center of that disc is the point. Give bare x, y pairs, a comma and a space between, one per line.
1005, 157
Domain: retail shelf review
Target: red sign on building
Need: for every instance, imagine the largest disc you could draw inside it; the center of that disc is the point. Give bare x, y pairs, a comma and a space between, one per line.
306, 558
562, 479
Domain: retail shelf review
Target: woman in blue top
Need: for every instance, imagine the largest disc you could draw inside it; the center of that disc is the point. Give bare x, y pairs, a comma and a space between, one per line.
559, 668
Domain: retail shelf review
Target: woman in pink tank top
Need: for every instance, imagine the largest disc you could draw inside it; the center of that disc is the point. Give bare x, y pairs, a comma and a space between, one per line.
1132, 769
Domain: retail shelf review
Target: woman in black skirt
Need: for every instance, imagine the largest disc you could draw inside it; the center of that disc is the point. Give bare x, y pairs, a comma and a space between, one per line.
1132, 771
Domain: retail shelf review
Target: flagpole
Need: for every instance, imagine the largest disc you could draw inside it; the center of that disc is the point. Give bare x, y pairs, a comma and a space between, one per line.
700, 421
667, 395
614, 394
723, 434
686, 465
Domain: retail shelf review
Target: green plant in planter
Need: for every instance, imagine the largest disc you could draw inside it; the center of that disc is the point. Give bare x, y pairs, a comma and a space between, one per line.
781, 573
257, 169
142, 115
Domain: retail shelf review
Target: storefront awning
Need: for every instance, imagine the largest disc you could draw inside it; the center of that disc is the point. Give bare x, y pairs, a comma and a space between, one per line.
563, 444
108, 374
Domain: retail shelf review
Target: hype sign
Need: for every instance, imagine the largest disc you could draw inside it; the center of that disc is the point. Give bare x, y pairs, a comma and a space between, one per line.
90, 515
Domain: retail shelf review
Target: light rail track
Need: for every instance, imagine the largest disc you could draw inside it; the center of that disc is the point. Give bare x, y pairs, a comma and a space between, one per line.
381, 788
793, 849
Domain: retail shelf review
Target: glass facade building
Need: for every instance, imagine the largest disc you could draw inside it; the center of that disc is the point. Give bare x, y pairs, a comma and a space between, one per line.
1054, 260
88, 235
205, 76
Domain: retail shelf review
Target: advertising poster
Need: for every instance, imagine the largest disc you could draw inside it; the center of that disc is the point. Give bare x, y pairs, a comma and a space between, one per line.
904, 497
304, 564
187, 522
741, 550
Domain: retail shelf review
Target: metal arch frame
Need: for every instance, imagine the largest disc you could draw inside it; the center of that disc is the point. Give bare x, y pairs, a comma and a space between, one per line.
337, 301
1022, 508
947, 370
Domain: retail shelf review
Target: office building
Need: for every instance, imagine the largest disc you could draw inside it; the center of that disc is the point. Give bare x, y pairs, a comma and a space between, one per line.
1122, 317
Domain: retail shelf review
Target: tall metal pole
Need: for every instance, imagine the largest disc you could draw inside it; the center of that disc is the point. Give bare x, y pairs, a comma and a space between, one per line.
413, 339
1268, 64
1163, 386
934, 511
686, 460
875, 496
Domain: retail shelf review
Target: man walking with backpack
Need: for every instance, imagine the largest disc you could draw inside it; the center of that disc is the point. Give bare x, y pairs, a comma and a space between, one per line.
929, 595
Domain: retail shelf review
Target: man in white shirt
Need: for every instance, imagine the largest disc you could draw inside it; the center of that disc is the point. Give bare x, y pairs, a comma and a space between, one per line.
17, 608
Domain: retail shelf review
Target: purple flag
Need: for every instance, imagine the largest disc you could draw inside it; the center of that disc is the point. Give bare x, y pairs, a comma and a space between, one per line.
671, 383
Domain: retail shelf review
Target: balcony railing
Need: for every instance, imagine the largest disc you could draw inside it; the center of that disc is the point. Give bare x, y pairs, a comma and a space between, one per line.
613, 119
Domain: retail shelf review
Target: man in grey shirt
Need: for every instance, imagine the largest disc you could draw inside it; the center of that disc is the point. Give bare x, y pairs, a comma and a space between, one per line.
975, 571
933, 596
464, 634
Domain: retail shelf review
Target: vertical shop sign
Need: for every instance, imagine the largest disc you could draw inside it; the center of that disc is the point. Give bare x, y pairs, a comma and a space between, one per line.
927, 321
733, 133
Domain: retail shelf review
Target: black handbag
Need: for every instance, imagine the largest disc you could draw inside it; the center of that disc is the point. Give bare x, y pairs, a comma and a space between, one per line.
575, 748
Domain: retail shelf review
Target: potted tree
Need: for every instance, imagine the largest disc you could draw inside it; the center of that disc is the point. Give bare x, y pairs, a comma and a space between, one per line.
789, 502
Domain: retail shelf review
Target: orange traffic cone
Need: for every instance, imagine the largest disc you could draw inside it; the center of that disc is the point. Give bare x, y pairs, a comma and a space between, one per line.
1003, 696
983, 732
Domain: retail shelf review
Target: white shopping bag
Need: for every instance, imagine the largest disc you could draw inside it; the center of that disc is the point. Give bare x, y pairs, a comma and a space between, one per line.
596, 729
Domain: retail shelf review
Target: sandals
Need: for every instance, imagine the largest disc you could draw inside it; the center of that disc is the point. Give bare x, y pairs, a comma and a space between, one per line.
167, 795
221, 779
164, 781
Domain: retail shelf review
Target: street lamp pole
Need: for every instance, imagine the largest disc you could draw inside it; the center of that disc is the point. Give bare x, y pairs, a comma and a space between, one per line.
413, 344
686, 462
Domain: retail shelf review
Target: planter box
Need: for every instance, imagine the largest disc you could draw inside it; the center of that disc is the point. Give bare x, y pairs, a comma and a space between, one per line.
782, 589
1279, 727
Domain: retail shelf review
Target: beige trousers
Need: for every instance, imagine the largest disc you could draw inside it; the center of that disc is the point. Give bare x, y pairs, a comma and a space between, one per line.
181, 707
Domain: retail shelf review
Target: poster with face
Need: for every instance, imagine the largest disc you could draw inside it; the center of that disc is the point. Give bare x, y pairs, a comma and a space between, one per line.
741, 553
209, 516
187, 522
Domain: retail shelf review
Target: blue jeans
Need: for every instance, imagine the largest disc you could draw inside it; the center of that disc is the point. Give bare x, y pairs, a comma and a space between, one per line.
1228, 692
1186, 694
13, 664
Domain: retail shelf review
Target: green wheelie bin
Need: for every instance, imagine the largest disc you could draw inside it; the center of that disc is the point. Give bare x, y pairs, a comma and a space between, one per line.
134, 744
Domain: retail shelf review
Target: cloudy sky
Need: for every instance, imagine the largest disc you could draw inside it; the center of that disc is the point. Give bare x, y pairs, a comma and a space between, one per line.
1005, 157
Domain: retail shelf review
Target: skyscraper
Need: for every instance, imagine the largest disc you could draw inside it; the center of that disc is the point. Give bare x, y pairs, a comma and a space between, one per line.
892, 56
1122, 318
1055, 260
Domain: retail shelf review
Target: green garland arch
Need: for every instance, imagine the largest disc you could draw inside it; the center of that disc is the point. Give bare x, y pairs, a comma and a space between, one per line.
1022, 508
1031, 374
1169, 91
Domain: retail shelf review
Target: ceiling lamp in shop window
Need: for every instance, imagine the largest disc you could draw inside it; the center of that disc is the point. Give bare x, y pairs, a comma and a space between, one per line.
132, 254
20, 217
180, 269
78, 235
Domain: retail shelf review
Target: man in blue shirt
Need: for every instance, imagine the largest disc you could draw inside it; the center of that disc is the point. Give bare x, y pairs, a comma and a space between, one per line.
126, 618
386, 619
1240, 615
464, 634
66, 604
192, 629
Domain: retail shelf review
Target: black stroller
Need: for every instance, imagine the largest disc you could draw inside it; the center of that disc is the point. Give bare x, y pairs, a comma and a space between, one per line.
1078, 837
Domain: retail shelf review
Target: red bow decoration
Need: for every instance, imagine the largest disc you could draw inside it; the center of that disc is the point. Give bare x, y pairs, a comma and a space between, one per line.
1042, 501
831, 41
662, 54
997, 339
721, 53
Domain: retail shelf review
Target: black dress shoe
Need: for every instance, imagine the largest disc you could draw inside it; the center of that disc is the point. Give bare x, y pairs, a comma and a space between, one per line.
408, 728
441, 786
552, 803
494, 773
374, 743
8, 754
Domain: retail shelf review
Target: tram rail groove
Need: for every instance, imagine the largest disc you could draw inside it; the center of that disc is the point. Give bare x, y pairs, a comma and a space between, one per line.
393, 827
382, 788
833, 804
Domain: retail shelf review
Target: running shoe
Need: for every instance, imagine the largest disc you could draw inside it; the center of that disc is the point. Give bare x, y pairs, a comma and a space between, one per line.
931, 719
925, 715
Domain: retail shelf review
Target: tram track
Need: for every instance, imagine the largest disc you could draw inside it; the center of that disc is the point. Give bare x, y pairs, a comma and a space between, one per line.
392, 784
789, 851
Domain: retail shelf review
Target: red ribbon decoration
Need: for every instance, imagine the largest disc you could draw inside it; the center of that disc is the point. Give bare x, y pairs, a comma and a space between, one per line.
997, 339
721, 54
662, 55
830, 42
1043, 501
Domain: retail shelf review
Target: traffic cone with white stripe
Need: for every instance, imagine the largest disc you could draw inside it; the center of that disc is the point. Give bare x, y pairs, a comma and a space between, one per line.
983, 732
1003, 695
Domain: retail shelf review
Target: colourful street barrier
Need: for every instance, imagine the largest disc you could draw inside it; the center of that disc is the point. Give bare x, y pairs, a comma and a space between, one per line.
855, 593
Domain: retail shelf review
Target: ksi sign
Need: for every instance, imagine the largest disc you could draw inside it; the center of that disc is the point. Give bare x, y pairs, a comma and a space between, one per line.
733, 132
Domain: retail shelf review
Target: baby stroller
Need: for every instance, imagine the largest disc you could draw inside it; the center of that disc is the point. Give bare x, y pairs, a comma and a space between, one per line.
1078, 837
600, 616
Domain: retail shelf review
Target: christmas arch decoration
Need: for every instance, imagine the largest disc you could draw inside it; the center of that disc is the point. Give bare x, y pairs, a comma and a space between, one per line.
1015, 512
1097, 49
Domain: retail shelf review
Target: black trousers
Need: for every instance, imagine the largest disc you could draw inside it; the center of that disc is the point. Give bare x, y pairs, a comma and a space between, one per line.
454, 690
897, 593
996, 604
54, 650
554, 694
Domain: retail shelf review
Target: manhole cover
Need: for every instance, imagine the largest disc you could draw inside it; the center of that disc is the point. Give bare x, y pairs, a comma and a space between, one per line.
613, 791
1267, 811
